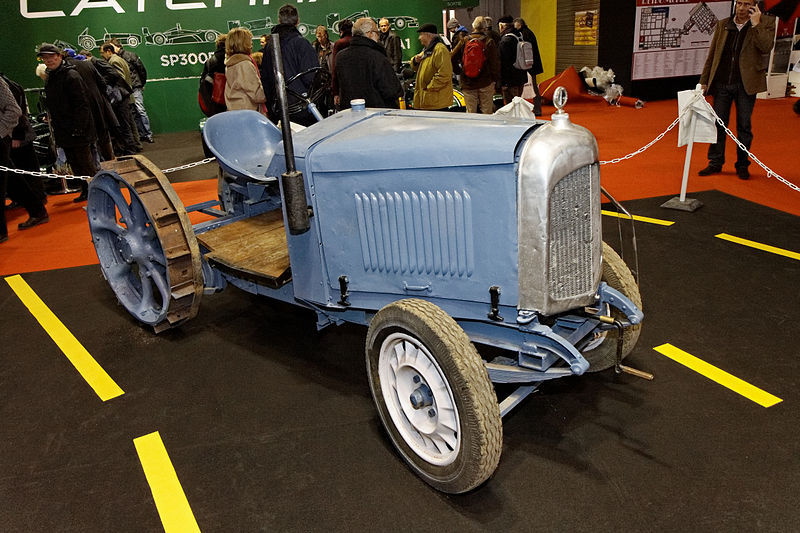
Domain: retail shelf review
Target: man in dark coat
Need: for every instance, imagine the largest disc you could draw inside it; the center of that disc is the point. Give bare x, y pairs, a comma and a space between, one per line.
364, 71
138, 81
103, 114
391, 42
512, 79
26, 190
115, 72
345, 35
298, 56
537, 68
9, 116
70, 113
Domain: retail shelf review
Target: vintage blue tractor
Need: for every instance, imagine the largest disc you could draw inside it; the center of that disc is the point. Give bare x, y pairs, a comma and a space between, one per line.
377, 217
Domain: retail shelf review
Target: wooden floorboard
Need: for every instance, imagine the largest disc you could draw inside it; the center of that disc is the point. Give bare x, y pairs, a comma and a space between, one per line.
256, 246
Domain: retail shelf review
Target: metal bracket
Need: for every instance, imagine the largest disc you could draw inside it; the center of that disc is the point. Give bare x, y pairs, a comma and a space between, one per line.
616, 299
619, 367
494, 294
343, 281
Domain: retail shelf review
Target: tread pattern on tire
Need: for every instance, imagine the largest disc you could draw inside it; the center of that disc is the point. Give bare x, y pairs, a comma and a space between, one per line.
476, 391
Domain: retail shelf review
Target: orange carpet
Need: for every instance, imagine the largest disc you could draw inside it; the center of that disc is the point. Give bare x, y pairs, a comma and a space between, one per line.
659, 170
65, 241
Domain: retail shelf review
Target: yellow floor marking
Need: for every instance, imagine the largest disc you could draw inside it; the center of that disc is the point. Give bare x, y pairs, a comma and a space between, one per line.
639, 218
713, 373
171, 502
759, 246
92, 372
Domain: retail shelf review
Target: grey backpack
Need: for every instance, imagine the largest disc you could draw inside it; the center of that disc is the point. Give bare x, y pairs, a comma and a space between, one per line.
524, 59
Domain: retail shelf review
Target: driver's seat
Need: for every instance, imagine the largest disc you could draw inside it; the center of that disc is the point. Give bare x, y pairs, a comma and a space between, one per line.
243, 142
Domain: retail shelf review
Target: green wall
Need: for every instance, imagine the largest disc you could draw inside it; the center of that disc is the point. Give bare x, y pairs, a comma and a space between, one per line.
175, 59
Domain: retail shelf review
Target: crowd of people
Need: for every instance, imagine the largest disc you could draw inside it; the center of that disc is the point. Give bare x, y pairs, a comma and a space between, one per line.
366, 63
96, 108
95, 112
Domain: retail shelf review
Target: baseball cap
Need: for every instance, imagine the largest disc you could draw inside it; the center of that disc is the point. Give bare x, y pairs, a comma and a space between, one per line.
47, 48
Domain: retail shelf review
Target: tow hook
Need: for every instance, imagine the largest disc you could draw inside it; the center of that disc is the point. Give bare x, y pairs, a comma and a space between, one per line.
618, 366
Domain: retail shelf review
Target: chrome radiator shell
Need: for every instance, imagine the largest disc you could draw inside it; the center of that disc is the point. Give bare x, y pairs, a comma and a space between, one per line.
559, 226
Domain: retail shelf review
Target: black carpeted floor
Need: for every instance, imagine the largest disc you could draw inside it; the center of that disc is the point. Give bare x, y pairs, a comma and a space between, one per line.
270, 426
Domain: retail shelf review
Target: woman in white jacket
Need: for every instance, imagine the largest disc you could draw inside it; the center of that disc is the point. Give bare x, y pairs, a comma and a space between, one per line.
243, 88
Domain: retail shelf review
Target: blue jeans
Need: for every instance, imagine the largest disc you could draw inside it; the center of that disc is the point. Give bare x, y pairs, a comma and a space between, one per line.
724, 97
142, 120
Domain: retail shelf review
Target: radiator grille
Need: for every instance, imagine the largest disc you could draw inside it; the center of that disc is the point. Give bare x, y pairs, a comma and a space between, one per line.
416, 232
570, 257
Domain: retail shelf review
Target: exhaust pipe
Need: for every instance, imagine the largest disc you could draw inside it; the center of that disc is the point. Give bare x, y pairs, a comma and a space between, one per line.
292, 183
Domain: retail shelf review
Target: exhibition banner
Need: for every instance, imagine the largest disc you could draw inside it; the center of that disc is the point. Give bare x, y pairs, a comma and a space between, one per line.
175, 37
671, 37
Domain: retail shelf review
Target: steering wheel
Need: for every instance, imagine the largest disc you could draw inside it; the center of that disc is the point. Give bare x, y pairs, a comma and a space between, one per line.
320, 84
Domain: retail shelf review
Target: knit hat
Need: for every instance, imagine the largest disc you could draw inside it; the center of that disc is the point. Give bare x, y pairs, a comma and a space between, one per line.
428, 28
452, 24
507, 19
47, 48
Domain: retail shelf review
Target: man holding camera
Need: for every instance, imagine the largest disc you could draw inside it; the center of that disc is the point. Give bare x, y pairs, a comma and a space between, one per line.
734, 72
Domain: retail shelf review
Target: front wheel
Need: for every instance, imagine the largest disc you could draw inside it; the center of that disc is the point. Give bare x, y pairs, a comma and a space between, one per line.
433, 395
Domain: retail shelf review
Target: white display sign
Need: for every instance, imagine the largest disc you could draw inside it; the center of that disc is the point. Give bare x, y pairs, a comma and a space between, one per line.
671, 37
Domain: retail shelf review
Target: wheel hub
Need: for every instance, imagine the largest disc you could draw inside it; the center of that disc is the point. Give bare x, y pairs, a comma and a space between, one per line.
419, 399
125, 250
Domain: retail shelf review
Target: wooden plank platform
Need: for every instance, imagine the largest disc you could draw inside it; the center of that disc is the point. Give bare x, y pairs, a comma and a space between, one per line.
254, 248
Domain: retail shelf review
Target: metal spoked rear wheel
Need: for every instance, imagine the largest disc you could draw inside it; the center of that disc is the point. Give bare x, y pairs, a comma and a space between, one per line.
145, 244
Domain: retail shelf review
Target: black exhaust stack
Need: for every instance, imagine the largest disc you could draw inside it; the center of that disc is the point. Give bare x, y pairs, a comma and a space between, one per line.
294, 190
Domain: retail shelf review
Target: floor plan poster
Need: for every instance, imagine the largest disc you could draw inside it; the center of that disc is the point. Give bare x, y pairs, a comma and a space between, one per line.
672, 36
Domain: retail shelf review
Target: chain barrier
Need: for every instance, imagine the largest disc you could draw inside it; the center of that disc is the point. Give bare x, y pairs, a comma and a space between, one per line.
769, 171
87, 178
687, 108
190, 165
